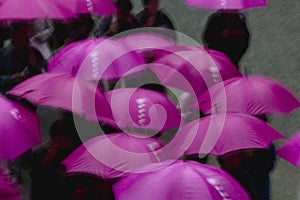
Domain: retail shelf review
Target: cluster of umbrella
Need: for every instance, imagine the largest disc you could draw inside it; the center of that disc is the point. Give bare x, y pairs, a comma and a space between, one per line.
219, 90
71, 84
60, 9
54, 9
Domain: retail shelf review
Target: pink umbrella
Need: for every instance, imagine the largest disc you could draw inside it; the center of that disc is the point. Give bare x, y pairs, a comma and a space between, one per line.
33, 9
145, 43
7, 191
19, 129
161, 52
112, 155
70, 57
143, 109
223, 133
95, 59
99, 7
226, 4
250, 95
290, 151
110, 60
179, 180
193, 69
146, 40
65, 92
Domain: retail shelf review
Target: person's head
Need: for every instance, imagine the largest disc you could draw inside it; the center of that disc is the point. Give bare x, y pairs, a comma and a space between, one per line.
150, 6
60, 34
20, 34
63, 132
227, 31
124, 7
80, 27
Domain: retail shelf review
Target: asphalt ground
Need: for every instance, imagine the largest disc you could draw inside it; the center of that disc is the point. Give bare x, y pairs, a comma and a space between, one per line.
273, 52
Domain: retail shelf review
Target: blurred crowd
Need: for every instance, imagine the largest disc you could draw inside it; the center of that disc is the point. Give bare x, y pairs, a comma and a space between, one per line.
26, 49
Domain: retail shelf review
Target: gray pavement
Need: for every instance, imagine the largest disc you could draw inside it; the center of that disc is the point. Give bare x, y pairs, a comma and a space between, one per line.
273, 52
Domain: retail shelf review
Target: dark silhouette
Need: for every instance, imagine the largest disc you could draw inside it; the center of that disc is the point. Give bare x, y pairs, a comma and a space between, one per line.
47, 174
59, 35
227, 31
251, 168
80, 186
79, 28
152, 16
117, 23
3, 33
18, 60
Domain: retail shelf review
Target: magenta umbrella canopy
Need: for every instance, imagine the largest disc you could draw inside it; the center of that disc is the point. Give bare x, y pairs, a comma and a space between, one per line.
112, 155
250, 95
226, 4
179, 180
33, 9
290, 151
98, 7
66, 92
222, 133
70, 57
19, 129
110, 60
95, 59
146, 40
143, 108
7, 190
145, 43
193, 69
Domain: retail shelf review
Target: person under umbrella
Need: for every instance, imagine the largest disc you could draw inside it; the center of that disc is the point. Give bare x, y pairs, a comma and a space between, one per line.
46, 173
67, 93
179, 180
227, 31
111, 156
79, 28
143, 109
123, 20
256, 96
18, 60
152, 16
243, 145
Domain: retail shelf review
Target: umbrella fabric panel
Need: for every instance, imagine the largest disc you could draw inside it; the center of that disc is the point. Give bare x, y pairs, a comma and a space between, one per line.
251, 95
222, 133
113, 155
290, 150
181, 180
226, 4
33, 9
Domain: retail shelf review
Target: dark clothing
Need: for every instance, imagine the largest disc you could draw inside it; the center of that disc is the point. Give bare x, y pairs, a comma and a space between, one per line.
227, 32
46, 183
259, 166
123, 25
11, 63
82, 186
3, 34
253, 172
161, 20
